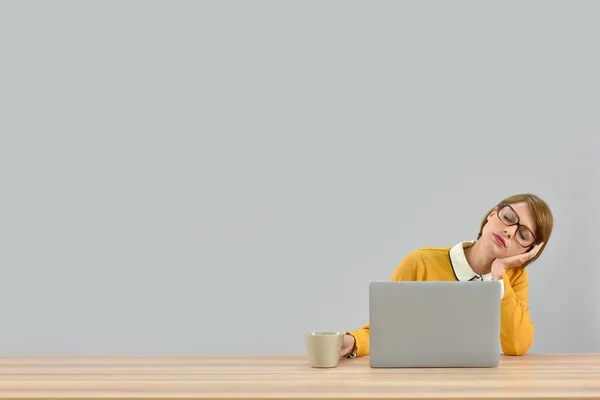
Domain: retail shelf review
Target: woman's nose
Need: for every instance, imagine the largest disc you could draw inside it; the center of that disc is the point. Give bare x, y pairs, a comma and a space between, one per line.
510, 230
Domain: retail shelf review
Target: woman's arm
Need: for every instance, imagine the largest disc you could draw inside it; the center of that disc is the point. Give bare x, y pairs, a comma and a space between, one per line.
516, 328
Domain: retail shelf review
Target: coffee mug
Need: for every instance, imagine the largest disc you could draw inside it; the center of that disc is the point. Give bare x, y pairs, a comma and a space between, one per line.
323, 348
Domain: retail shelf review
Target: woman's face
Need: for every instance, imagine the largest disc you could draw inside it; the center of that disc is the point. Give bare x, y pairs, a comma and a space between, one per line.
510, 230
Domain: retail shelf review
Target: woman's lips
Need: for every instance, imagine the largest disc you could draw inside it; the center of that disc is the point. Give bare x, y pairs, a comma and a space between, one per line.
500, 240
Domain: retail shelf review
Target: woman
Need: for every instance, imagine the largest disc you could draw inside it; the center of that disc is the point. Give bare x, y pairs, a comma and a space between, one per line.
512, 235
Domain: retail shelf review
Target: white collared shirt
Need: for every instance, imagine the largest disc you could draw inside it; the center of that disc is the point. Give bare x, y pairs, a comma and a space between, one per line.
463, 270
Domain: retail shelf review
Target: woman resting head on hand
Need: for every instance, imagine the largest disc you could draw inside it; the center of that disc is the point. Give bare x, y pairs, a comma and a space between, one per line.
512, 235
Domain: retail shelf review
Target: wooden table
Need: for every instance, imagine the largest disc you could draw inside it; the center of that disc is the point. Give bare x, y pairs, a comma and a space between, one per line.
290, 377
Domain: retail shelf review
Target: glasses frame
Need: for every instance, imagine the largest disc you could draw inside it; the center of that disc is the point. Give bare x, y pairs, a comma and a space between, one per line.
503, 206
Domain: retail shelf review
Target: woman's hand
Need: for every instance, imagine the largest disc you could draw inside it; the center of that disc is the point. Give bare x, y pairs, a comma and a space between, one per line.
347, 345
501, 265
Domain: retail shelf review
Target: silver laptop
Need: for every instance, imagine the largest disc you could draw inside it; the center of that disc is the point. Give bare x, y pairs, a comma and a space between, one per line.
434, 324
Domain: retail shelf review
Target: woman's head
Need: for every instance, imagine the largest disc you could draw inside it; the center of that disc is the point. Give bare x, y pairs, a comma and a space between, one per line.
515, 225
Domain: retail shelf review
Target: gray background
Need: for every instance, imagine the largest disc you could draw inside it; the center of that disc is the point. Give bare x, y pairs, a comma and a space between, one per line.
220, 177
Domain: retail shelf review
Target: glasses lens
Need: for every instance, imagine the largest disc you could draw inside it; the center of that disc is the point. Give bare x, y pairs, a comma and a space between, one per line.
507, 216
525, 236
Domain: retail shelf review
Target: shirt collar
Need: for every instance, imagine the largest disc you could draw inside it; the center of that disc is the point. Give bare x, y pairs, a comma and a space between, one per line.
462, 269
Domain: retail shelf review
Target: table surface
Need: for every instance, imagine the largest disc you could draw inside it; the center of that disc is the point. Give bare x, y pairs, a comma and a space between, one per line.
290, 377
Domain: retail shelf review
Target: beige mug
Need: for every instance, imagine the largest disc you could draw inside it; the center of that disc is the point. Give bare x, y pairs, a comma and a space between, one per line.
323, 348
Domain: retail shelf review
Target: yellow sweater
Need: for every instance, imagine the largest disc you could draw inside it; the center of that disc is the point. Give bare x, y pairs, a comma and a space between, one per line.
435, 264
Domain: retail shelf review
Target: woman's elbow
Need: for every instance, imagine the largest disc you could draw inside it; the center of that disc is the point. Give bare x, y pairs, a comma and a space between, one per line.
515, 351
515, 348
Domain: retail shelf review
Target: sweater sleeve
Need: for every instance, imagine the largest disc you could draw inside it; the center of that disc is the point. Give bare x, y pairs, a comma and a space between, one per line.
405, 271
516, 328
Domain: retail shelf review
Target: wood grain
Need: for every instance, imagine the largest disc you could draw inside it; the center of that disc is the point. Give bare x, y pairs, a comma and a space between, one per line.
290, 377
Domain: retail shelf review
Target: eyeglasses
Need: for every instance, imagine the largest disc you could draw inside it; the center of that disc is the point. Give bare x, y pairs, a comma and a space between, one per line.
509, 217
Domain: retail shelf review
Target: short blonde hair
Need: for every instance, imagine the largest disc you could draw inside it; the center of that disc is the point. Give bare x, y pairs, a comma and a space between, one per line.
541, 213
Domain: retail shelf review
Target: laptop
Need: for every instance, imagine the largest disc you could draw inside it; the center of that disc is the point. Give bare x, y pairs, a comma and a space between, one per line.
434, 324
